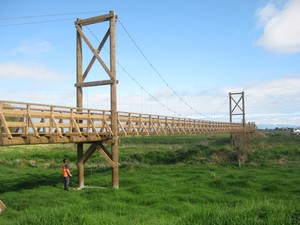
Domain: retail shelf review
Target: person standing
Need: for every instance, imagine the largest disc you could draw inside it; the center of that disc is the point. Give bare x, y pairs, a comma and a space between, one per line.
66, 174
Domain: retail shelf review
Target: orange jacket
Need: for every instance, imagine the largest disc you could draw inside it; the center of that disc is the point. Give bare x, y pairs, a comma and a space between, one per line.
65, 170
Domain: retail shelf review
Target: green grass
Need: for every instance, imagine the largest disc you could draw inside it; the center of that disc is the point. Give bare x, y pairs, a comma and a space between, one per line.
163, 180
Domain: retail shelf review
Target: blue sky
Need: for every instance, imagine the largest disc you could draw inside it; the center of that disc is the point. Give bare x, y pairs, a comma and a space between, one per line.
202, 49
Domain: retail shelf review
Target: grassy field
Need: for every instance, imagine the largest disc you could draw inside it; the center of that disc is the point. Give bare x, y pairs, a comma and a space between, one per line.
191, 179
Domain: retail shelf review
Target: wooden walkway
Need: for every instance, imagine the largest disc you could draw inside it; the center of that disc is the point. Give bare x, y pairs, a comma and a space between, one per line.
29, 123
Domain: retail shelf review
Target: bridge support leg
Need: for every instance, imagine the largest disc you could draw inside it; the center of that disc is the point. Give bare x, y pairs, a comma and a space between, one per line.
113, 102
79, 100
115, 170
80, 165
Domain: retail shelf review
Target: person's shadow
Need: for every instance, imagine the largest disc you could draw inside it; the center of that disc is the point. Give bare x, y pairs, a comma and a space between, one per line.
30, 181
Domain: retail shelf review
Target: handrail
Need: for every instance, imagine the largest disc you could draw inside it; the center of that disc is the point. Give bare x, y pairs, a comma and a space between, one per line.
29, 123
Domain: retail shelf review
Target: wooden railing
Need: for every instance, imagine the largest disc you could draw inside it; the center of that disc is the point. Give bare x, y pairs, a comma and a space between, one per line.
29, 123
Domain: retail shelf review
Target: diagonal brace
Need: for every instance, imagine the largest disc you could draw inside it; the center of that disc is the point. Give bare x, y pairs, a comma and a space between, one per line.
94, 52
94, 57
106, 155
2, 119
88, 153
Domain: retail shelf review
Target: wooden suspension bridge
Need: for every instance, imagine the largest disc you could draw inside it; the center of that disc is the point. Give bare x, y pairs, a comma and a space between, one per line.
30, 123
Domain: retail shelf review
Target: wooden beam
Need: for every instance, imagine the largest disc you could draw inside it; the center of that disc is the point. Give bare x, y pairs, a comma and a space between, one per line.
79, 101
73, 120
105, 124
36, 133
91, 122
94, 83
88, 153
3, 121
53, 121
122, 128
92, 20
107, 156
113, 100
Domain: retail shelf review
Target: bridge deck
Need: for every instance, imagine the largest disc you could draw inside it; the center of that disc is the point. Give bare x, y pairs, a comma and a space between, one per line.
29, 123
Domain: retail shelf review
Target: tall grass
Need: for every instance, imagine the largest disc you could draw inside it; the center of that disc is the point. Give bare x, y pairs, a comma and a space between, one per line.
163, 180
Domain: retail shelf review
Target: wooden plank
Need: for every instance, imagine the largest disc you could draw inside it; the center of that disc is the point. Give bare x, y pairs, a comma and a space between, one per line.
15, 124
92, 20
13, 113
94, 83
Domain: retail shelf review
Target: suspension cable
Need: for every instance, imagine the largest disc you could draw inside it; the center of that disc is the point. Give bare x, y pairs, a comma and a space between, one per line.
159, 74
141, 86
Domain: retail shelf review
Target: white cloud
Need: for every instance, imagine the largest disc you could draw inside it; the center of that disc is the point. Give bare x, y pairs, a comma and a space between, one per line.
28, 70
272, 102
33, 47
266, 13
52, 97
285, 90
267, 102
281, 30
284, 87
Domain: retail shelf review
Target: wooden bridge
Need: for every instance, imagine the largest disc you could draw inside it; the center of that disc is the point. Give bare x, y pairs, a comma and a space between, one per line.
29, 123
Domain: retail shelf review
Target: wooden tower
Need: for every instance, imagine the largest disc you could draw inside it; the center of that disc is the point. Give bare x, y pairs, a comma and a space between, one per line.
110, 70
237, 106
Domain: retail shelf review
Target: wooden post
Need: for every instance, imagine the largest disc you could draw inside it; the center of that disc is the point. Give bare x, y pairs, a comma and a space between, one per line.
230, 108
1, 122
114, 115
79, 99
243, 105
